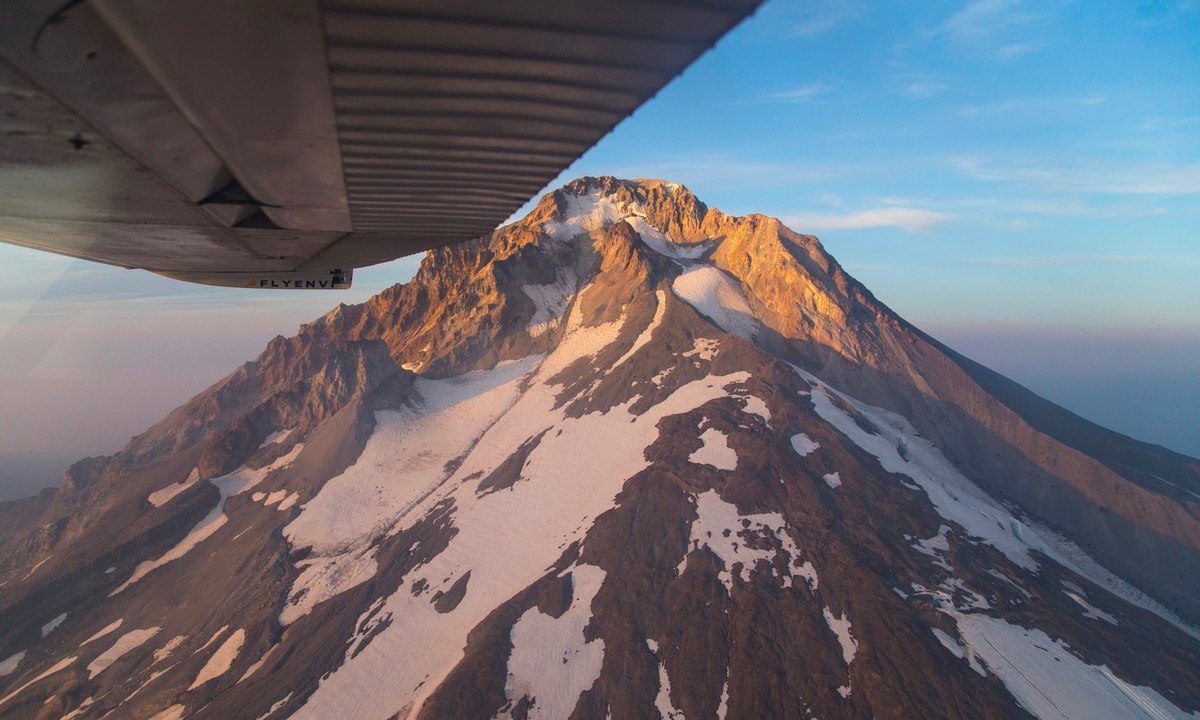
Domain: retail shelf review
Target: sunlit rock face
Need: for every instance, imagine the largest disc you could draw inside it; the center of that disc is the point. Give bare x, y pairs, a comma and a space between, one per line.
628, 457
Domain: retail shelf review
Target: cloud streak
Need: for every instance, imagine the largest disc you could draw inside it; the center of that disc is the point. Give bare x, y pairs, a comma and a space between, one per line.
984, 18
1061, 260
804, 93
913, 220
1159, 179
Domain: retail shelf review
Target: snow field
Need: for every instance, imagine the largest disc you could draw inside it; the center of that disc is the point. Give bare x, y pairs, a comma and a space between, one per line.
550, 301
276, 437
584, 214
222, 659
165, 651
960, 651
803, 444
1091, 612
551, 661
403, 461
124, 644
657, 241
953, 496
508, 539
9, 665
161, 497
53, 624
175, 712
1051, 682
715, 451
721, 528
111, 627
56, 667
1045, 678
840, 625
659, 310
719, 297
237, 482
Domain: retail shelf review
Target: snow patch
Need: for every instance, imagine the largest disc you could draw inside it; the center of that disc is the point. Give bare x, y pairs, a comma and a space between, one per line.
550, 301
276, 437
960, 651
715, 451
161, 497
53, 624
657, 241
936, 547
222, 659
275, 707
175, 712
551, 660
704, 348
321, 578
404, 458
720, 528
104, 631
662, 701
257, 664
507, 540
953, 496
165, 651
584, 214
1086, 566
833, 480
238, 481
718, 297
10, 663
1049, 681
803, 444
840, 625
958, 499
35, 567
56, 667
755, 405
83, 706
644, 337
1092, 612
274, 497
126, 643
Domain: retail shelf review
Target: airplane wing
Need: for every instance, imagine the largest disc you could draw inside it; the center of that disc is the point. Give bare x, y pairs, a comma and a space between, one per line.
282, 143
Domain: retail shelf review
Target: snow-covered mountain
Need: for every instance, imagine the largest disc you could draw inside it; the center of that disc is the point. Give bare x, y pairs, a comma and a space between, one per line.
628, 457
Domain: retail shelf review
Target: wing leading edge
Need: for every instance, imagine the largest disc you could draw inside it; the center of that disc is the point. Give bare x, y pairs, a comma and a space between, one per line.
256, 143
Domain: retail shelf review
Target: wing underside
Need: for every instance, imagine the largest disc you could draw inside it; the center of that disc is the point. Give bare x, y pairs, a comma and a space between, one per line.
230, 142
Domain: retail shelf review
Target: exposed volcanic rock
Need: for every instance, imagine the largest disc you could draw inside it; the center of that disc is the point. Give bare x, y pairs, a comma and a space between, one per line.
628, 457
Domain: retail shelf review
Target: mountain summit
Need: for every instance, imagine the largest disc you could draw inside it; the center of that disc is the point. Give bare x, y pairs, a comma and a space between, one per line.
628, 457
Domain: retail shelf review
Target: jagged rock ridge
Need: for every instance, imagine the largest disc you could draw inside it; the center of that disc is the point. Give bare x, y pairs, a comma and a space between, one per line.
628, 457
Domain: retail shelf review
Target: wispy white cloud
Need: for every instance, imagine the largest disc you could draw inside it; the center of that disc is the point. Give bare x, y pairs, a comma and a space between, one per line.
923, 90
914, 220
1016, 50
1033, 104
816, 26
720, 169
804, 93
984, 18
1003, 29
1060, 260
1150, 179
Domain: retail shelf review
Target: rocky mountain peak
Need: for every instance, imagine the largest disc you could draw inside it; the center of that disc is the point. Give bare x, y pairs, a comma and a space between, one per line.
626, 457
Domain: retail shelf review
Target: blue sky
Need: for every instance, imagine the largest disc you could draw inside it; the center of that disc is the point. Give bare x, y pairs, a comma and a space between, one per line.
1020, 179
